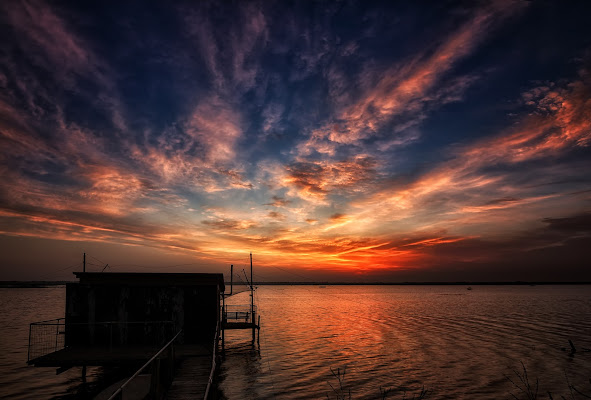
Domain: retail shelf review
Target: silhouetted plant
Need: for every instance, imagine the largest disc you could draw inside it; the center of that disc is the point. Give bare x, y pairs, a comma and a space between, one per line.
422, 395
341, 393
523, 384
571, 391
531, 393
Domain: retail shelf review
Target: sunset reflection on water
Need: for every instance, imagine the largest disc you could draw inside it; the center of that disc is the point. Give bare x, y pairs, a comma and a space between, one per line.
454, 342
458, 344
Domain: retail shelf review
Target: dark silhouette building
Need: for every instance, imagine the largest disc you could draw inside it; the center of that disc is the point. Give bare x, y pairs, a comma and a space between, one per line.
136, 308
114, 318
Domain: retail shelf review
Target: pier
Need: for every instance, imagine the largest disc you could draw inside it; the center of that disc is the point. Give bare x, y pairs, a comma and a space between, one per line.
240, 316
168, 326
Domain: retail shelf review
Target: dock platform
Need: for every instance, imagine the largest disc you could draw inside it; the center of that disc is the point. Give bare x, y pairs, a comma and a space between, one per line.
191, 378
95, 356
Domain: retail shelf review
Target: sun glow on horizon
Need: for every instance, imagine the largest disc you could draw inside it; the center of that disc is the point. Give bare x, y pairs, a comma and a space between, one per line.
323, 141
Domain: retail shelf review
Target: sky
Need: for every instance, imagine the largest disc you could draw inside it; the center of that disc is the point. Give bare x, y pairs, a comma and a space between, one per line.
349, 141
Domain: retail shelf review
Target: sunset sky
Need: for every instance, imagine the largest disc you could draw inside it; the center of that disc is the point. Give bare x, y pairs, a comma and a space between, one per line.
345, 141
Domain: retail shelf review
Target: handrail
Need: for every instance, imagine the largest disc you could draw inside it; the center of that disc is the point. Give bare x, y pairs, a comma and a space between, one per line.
144, 366
215, 345
47, 320
50, 336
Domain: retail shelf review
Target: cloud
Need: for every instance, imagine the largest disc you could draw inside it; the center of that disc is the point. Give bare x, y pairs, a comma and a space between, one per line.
215, 127
498, 173
228, 51
277, 216
408, 89
578, 223
51, 39
561, 121
201, 152
286, 138
279, 202
315, 180
338, 217
229, 225
47, 41
503, 200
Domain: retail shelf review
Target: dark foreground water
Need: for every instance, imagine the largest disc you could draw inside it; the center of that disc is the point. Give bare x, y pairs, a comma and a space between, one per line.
458, 344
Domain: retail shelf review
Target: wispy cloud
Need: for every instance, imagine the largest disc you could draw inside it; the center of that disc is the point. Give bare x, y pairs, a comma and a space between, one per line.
486, 177
50, 43
409, 88
278, 202
231, 68
314, 180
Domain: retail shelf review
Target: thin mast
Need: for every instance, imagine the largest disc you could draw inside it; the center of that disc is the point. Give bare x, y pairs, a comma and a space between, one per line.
231, 278
252, 299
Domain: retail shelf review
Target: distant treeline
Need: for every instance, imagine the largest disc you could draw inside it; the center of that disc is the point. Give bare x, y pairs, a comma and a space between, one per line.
419, 283
31, 284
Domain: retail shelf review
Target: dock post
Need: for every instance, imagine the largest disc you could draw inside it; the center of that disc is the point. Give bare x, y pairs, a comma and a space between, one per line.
84, 374
252, 312
259, 332
253, 327
223, 318
155, 379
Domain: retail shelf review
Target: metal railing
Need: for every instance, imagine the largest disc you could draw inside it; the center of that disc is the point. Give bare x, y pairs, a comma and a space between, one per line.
238, 312
46, 337
161, 373
213, 361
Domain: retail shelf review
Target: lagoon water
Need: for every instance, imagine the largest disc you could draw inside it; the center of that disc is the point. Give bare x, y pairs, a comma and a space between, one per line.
456, 343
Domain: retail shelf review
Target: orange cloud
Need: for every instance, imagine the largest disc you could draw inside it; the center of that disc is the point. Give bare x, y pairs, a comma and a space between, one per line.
315, 180
230, 225
277, 216
216, 128
278, 202
410, 86
455, 188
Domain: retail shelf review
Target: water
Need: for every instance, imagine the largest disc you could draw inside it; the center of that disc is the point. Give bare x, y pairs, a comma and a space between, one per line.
18, 308
458, 344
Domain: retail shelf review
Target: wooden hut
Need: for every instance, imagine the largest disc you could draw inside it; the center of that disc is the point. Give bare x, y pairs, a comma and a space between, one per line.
132, 308
113, 318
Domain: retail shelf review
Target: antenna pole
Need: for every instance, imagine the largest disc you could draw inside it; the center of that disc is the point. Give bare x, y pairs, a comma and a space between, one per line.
84, 263
252, 298
231, 278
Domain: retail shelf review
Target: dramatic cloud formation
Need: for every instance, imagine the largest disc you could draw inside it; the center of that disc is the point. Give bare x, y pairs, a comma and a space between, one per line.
336, 141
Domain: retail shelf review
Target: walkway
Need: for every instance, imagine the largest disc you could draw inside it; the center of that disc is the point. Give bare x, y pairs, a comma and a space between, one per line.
192, 375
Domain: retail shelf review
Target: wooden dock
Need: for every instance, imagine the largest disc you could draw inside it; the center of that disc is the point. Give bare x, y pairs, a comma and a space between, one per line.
95, 356
239, 325
190, 378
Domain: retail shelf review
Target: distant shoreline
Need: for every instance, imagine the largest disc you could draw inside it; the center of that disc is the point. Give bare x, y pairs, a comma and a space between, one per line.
31, 284
41, 284
459, 283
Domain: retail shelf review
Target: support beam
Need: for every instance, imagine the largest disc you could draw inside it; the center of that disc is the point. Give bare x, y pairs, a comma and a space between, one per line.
62, 369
